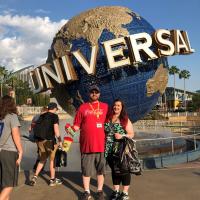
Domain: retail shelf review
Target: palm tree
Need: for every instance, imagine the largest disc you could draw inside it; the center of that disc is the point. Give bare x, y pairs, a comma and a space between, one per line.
185, 75
173, 70
3, 74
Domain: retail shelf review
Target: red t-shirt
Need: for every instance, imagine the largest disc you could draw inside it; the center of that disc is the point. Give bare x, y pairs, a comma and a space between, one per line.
90, 118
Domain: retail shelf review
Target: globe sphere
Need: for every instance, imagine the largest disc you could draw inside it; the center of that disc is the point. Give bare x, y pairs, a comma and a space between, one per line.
135, 85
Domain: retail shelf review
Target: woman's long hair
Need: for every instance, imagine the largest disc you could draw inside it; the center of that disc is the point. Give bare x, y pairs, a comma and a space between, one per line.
7, 106
123, 117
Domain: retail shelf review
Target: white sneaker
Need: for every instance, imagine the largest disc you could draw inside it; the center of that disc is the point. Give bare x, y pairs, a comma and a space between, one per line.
54, 182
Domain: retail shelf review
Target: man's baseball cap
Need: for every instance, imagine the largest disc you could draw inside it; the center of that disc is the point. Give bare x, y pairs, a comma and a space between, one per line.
94, 87
52, 105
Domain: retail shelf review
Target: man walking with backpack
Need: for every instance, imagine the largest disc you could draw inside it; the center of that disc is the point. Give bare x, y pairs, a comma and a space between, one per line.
31, 134
46, 130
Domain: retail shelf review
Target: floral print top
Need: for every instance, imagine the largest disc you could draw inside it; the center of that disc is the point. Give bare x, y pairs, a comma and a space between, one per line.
110, 129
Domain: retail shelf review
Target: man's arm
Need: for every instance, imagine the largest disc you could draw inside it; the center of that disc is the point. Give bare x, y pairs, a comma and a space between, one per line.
57, 134
77, 120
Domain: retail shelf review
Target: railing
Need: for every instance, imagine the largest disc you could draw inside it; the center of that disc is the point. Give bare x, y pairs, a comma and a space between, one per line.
150, 161
192, 137
152, 141
29, 110
162, 160
166, 160
188, 127
26, 110
150, 125
178, 114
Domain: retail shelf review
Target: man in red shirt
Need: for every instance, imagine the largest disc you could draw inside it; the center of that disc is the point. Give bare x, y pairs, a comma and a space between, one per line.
90, 118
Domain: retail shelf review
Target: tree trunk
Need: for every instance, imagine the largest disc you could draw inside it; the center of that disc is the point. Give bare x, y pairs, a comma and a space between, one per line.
184, 96
174, 104
165, 102
1, 89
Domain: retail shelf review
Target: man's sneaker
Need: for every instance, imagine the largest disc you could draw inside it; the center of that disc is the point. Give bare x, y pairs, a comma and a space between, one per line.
86, 196
54, 182
33, 181
123, 196
115, 195
100, 195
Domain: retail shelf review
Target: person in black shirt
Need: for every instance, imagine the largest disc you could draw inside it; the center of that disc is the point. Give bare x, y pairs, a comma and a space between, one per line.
47, 145
31, 135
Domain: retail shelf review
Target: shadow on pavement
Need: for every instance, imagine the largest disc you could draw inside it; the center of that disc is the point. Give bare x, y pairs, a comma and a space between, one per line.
72, 181
196, 173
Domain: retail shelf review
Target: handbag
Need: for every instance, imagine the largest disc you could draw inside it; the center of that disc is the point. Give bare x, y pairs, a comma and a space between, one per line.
60, 158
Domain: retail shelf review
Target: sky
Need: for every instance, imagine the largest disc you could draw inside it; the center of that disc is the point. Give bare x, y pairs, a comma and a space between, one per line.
27, 28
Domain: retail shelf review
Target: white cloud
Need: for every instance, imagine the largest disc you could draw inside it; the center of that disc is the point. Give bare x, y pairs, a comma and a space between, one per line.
25, 40
9, 11
42, 11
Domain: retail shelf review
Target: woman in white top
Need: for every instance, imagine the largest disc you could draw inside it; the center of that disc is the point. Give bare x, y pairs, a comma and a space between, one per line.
10, 146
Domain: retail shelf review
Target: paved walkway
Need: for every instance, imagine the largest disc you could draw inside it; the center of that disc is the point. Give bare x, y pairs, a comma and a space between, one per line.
176, 183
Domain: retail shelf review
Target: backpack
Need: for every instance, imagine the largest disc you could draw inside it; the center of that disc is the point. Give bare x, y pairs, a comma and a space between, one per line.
43, 128
3, 138
1, 127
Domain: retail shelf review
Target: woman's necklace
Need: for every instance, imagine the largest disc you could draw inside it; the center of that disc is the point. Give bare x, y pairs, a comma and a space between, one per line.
95, 111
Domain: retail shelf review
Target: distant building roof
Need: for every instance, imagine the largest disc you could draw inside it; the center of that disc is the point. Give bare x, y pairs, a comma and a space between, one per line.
180, 90
23, 69
23, 74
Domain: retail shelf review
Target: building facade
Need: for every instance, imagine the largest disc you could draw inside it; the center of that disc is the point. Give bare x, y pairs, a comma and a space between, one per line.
23, 74
175, 99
